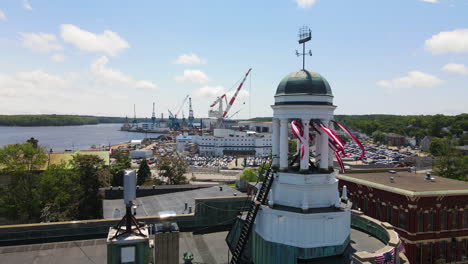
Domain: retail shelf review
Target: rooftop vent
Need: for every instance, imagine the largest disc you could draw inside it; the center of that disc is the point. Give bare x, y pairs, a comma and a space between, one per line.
429, 178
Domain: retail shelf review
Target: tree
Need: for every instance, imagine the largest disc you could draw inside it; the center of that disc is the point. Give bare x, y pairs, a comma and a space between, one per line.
88, 169
379, 137
249, 175
262, 169
144, 172
173, 169
20, 199
292, 146
435, 146
59, 192
450, 162
122, 162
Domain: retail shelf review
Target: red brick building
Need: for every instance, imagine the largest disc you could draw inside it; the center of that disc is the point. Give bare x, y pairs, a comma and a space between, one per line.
431, 216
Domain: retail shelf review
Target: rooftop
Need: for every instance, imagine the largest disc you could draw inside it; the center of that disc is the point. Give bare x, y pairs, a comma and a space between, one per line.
206, 248
407, 183
152, 205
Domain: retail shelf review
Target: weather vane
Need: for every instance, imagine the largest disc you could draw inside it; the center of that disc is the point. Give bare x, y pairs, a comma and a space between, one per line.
305, 34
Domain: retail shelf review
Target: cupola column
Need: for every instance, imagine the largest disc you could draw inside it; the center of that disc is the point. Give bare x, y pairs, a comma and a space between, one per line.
305, 160
284, 144
324, 147
276, 142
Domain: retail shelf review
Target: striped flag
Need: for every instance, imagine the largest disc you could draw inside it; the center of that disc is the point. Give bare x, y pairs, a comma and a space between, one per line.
386, 258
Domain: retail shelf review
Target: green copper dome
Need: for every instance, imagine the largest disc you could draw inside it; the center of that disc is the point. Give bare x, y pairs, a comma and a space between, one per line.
304, 82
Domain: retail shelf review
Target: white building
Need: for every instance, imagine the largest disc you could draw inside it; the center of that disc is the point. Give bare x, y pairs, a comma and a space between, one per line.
233, 142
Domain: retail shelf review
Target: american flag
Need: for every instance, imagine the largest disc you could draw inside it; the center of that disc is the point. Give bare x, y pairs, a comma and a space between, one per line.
401, 247
386, 257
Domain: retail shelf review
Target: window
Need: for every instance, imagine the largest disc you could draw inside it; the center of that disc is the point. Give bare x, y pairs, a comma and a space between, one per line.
430, 221
418, 254
443, 250
429, 253
365, 205
454, 219
465, 218
402, 218
443, 220
453, 249
389, 214
377, 211
420, 222
464, 253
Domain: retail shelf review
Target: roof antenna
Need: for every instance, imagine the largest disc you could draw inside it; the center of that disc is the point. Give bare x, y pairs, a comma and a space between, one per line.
305, 34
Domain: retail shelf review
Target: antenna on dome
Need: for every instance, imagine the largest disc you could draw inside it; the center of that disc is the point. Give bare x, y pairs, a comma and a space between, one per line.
305, 35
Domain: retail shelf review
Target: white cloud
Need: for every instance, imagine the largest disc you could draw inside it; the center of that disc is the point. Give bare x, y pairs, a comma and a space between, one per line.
456, 68
414, 79
107, 76
305, 3
213, 92
108, 41
210, 91
195, 76
33, 83
190, 59
430, 1
39, 92
448, 41
3, 17
40, 42
27, 5
58, 57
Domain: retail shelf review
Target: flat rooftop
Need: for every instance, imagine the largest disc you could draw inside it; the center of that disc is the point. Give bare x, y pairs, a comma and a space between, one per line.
407, 181
206, 248
152, 205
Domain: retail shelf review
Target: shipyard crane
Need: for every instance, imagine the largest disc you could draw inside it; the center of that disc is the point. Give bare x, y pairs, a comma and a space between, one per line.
221, 114
173, 117
191, 118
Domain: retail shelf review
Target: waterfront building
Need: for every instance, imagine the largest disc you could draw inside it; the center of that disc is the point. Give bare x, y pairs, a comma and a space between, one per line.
429, 213
234, 142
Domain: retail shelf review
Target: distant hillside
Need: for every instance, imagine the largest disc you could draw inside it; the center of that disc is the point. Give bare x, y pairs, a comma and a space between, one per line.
55, 120
413, 126
65, 120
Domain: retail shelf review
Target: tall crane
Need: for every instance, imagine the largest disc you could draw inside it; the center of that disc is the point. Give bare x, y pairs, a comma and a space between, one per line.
153, 116
173, 117
191, 118
220, 114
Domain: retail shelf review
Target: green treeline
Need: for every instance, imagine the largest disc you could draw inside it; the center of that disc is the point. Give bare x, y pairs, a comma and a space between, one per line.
56, 120
413, 126
66, 120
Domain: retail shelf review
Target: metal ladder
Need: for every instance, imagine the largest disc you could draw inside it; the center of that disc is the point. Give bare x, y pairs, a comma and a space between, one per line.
261, 199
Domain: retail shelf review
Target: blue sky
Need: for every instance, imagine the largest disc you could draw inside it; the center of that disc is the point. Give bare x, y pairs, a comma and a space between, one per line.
101, 57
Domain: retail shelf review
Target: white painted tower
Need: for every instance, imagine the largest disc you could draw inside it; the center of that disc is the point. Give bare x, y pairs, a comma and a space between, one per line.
304, 218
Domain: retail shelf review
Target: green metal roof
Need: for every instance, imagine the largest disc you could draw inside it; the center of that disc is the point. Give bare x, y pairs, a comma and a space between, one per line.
304, 82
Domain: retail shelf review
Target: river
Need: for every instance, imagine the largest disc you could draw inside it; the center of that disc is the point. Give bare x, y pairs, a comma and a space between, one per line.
60, 138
